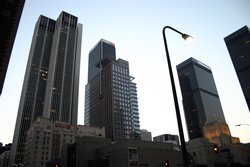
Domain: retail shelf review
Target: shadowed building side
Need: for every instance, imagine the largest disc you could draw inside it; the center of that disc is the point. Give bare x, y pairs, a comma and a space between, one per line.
10, 14
238, 45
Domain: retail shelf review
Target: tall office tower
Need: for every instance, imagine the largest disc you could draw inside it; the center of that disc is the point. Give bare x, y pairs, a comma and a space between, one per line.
238, 45
50, 87
201, 101
10, 14
108, 94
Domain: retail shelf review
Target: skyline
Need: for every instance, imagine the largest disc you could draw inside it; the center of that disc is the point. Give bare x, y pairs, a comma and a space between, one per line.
142, 46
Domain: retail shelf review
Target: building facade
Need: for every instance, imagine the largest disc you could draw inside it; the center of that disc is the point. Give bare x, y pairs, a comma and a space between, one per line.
92, 152
168, 138
82, 151
219, 133
4, 158
108, 93
50, 87
238, 45
203, 152
146, 135
45, 140
134, 109
10, 15
201, 101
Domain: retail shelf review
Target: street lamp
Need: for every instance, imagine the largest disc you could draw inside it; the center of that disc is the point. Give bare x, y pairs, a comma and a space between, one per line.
242, 124
183, 145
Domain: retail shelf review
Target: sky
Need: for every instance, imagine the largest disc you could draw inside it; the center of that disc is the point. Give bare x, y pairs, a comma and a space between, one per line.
135, 27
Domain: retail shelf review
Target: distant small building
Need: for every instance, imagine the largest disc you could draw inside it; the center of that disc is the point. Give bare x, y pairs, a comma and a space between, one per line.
168, 138
4, 148
45, 140
146, 135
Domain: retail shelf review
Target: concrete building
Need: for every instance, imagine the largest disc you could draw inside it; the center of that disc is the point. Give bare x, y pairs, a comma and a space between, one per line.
146, 135
238, 45
10, 15
45, 140
4, 154
167, 138
4, 158
201, 151
219, 133
124, 153
82, 151
110, 95
204, 153
201, 101
50, 87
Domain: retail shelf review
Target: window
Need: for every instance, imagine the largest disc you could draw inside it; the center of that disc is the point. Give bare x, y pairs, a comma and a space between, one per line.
194, 154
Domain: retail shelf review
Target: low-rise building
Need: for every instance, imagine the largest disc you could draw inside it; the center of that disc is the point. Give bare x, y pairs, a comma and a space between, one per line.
82, 151
5, 154
203, 152
146, 135
4, 158
45, 140
219, 133
168, 138
91, 152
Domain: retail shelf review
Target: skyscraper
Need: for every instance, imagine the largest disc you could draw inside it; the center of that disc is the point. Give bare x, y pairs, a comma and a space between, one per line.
10, 14
50, 87
238, 45
108, 93
201, 101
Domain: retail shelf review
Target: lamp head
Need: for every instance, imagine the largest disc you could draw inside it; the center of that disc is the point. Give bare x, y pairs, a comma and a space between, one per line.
187, 37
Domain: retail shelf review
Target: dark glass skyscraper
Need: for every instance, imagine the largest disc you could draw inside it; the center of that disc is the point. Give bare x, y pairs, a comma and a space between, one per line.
51, 82
109, 101
238, 45
201, 101
10, 14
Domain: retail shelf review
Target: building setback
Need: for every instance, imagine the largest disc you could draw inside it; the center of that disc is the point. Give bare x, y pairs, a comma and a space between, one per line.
201, 101
50, 87
110, 96
10, 14
134, 108
238, 45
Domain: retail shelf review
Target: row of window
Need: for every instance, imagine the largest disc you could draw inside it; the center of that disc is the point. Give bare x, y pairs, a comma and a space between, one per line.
120, 69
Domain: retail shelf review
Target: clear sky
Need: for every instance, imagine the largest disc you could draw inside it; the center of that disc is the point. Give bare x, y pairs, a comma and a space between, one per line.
135, 26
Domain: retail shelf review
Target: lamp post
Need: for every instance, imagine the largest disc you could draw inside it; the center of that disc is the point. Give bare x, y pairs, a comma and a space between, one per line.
183, 145
242, 124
